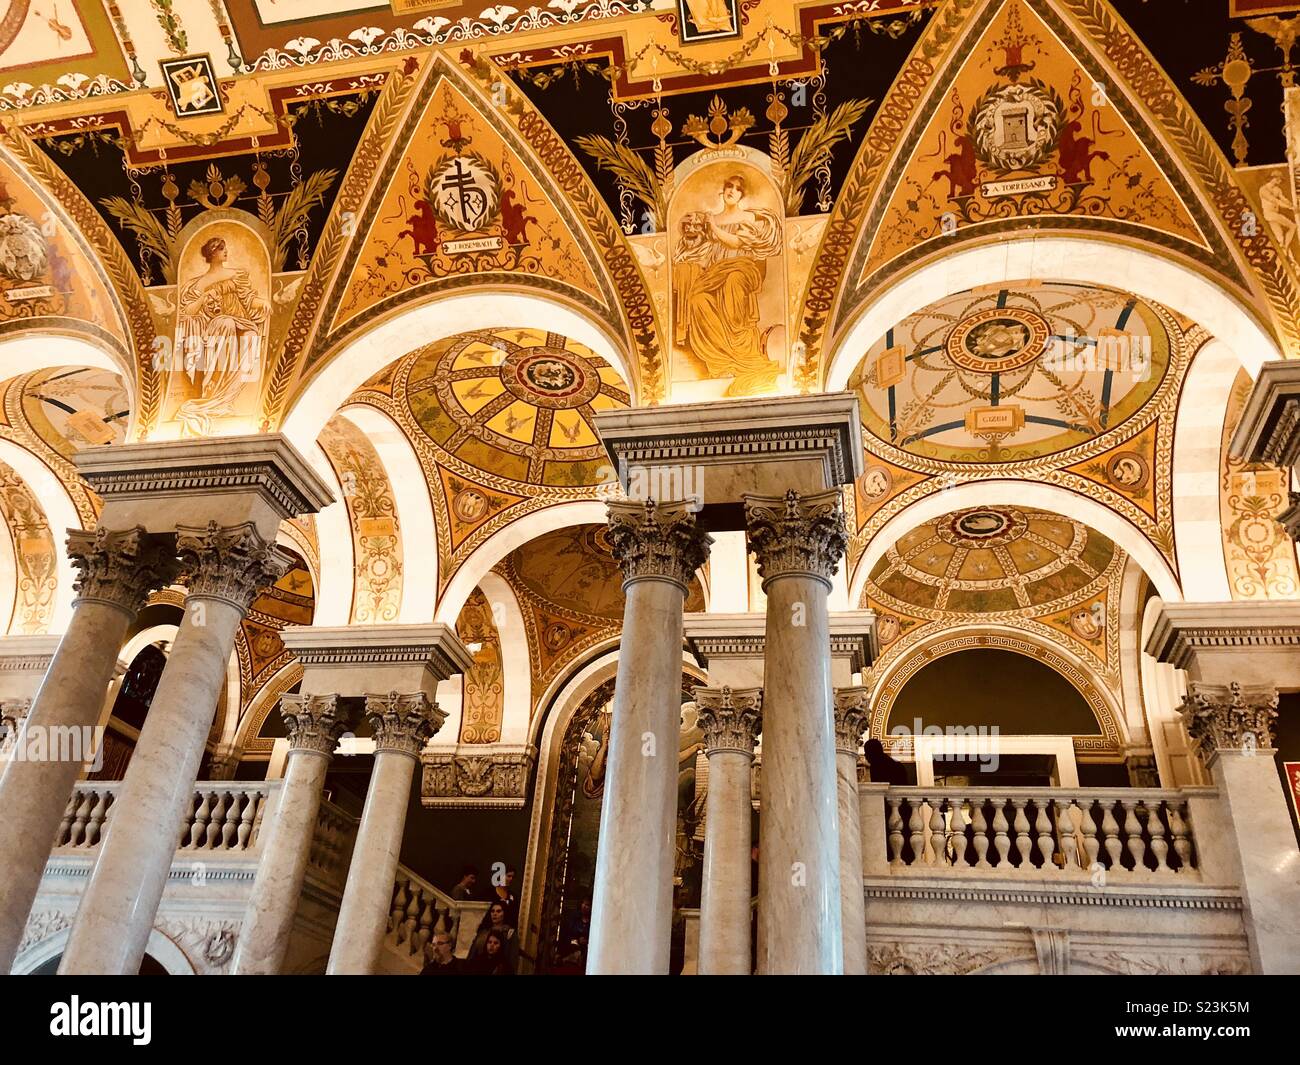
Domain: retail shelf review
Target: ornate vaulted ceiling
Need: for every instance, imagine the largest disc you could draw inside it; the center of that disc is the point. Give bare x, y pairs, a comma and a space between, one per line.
1003, 374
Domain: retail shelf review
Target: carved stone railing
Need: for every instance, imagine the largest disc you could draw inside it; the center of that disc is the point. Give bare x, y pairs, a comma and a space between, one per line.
419, 909
331, 846
1136, 834
224, 816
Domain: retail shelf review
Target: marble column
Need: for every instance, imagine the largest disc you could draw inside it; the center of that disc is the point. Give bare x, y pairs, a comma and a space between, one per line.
659, 547
731, 721
226, 567
315, 723
1233, 725
798, 541
852, 711
401, 725
116, 571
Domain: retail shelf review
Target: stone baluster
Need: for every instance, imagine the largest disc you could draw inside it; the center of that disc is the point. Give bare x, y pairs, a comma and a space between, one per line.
1159, 842
958, 830
731, 720
1021, 824
82, 816
916, 830
314, 724
980, 828
1137, 847
1066, 826
402, 724
1182, 843
1091, 845
798, 541
1001, 841
1110, 830
852, 711
1043, 826
116, 571
895, 828
226, 567
938, 836
659, 547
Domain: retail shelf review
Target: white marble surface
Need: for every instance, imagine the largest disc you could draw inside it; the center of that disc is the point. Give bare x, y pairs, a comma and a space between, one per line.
632, 905
117, 910
1270, 861
363, 915
724, 932
33, 794
853, 912
799, 923
286, 845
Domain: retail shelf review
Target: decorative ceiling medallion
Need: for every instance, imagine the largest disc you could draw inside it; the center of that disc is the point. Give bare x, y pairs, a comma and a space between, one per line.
1016, 372
998, 340
982, 527
550, 377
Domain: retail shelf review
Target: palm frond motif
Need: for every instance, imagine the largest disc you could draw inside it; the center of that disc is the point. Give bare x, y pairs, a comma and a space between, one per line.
149, 233
295, 209
630, 169
815, 146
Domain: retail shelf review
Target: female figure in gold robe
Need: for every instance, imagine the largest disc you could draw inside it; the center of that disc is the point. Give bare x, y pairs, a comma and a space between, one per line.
220, 325
721, 262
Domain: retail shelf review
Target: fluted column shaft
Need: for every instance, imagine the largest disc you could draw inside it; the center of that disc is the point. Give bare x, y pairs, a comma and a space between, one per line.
117, 570
731, 721
401, 724
315, 724
798, 541
226, 567
851, 713
659, 547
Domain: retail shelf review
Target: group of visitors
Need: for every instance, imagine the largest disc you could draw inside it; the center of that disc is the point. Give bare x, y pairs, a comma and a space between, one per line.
495, 950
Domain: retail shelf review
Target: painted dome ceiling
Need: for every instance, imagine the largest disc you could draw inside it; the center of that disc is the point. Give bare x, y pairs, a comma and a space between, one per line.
517, 403
992, 560
1001, 374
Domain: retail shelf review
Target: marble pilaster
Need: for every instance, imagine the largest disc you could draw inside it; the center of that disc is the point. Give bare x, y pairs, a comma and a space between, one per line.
1233, 726
799, 541
659, 547
401, 724
730, 720
116, 571
226, 567
852, 713
315, 723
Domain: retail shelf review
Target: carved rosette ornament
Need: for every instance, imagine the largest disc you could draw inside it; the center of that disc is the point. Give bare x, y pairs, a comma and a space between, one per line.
852, 715
731, 718
229, 562
120, 568
403, 723
315, 722
797, 535
1230, 717
657, 541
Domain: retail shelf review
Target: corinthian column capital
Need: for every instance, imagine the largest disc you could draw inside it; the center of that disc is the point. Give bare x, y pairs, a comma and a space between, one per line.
120, 568
403, 723
731, 718
657, 541
229, 562
797, 535
852, 715
315, 722
1230, 717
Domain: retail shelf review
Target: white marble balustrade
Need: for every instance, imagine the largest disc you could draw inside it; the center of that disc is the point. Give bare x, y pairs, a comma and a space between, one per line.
419, 909
1019, 831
